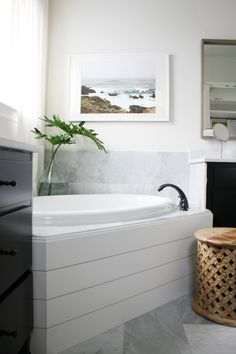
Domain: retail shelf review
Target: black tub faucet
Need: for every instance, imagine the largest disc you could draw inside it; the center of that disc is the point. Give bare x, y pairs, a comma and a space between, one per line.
183, 204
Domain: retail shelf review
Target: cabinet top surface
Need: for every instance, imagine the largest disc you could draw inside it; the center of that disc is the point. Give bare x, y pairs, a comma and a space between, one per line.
18, 145
218, 236
211, 159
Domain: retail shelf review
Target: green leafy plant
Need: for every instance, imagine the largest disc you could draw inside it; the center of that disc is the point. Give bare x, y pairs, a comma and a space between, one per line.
69, 129
66, 137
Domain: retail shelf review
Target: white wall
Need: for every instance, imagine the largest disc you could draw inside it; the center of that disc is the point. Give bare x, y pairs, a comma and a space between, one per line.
135, 26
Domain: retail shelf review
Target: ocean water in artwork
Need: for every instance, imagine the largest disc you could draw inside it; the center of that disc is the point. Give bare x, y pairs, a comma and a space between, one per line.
118, 96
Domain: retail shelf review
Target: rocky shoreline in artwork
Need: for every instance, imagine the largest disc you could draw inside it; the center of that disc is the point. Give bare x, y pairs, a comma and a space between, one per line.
95, 104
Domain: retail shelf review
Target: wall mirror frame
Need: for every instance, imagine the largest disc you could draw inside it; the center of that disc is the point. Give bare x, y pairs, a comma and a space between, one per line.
218, 85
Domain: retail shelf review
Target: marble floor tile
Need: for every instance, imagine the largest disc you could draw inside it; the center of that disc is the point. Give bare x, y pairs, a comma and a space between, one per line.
110, 342
187, 314
211, 339
170, 316
173, 328
153, 333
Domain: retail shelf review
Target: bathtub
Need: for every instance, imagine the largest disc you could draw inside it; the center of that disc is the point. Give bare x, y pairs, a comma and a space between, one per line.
127, 255
87, 209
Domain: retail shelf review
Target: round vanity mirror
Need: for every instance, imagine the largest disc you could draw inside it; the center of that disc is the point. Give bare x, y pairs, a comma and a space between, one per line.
221, 132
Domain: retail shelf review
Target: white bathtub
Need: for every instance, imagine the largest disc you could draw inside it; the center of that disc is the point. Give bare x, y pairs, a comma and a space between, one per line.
90, 278
87, 209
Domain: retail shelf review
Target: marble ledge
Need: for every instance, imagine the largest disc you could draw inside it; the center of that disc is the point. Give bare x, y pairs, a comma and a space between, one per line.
211, 159
19, 145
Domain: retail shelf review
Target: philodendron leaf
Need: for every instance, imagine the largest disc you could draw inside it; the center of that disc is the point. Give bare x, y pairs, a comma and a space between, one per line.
69, 129
38, 133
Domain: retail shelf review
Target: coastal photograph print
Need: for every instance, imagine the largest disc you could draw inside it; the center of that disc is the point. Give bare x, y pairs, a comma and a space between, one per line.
119, 87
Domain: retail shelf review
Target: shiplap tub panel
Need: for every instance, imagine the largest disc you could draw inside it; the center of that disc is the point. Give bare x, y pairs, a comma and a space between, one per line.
68, 307
58, 338
84, 275
91, 281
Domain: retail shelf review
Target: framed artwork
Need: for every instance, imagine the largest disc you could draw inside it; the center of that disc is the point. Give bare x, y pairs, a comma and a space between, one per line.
119, 87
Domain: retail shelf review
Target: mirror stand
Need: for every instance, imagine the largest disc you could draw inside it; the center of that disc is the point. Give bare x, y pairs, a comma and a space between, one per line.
221, 134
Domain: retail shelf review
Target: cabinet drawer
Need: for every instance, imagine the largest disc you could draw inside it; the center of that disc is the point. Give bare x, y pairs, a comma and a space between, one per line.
224, 200
223, 220
16, 317
15, 246
19, 175
225, 177
223, 207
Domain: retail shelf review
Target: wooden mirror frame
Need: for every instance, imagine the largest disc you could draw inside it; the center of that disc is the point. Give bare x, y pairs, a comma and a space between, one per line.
204, 42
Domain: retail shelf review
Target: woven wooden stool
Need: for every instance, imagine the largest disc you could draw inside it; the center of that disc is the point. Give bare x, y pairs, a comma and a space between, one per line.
215, 295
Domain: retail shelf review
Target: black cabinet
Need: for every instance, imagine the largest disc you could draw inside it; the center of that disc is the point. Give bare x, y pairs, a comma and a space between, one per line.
16, 316
16, 305
221, 193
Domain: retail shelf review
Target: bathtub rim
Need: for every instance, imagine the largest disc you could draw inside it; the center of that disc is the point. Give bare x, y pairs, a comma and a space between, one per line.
87, 230
139, 206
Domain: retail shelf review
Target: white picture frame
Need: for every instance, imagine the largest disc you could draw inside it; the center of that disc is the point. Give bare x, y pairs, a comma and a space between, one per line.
119, 87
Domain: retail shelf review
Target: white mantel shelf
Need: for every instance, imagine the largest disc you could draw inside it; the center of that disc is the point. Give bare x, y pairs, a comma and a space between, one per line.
211, 159
18, 145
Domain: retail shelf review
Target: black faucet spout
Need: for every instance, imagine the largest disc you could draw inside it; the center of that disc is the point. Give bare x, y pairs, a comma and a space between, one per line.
183, 204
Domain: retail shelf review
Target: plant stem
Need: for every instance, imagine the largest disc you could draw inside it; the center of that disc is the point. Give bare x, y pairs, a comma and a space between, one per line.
49, 167
40, 188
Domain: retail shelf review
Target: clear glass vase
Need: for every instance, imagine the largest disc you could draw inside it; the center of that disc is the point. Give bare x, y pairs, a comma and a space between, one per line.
51, 182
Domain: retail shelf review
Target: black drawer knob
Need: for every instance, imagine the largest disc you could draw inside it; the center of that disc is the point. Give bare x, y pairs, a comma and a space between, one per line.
8, 253
8, 183
4, 333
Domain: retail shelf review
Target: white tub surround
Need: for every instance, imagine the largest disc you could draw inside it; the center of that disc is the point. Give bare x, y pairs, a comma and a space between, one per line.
198, 179
90, 281
87, 209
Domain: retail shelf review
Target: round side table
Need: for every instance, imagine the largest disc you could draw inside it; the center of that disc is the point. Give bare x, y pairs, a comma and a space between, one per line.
215, 294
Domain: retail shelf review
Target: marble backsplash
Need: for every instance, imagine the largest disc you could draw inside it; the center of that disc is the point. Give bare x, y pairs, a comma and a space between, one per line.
123, 171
